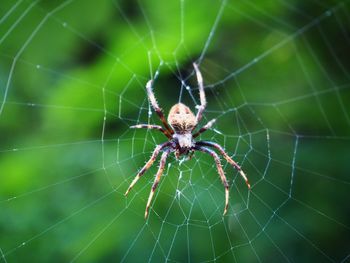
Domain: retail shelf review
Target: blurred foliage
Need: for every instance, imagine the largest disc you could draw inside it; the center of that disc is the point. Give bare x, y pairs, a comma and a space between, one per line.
68, 64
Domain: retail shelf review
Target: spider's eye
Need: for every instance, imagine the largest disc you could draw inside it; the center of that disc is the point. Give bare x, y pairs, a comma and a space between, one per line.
177, 112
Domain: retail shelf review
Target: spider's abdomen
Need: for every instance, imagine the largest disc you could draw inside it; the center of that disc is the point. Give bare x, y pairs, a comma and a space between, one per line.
182, 119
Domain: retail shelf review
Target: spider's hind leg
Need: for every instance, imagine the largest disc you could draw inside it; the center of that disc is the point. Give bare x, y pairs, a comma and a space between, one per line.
203, 100
152, 126
204, 128
156, 107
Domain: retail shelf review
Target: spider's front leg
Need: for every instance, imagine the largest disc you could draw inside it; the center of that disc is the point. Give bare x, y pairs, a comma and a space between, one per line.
157, 179
227, 157
147, 165
190, 155
220, 171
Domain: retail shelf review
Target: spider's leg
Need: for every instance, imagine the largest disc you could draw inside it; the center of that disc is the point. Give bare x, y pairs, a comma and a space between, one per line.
177, 154
157, 179
156, 107
147, 165
203, 100
220, 171
151, 126
190, 155
204, 128
228, 158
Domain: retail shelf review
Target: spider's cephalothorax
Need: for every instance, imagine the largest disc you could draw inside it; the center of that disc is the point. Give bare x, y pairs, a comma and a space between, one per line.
179, 130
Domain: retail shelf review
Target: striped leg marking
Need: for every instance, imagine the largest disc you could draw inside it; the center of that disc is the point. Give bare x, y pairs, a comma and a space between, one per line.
151, 126
203, 100
156, 107
220, 171
156, 180
228, 158
204, 128
147, 165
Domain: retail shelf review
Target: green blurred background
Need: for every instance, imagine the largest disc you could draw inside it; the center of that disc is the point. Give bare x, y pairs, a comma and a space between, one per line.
72, 77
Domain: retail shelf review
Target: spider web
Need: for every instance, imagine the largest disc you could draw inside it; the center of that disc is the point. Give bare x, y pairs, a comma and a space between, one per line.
277, 80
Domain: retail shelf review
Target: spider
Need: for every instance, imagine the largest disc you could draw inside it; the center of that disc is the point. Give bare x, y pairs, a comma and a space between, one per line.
179, 131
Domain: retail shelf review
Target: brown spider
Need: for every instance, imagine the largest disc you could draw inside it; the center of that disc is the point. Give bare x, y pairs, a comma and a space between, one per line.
182, 122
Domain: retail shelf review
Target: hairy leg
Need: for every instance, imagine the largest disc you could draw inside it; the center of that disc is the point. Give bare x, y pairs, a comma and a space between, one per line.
228, 158
151, 126
204, 128
157, 179
147, 165
220, 171
156, 107
203, 100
